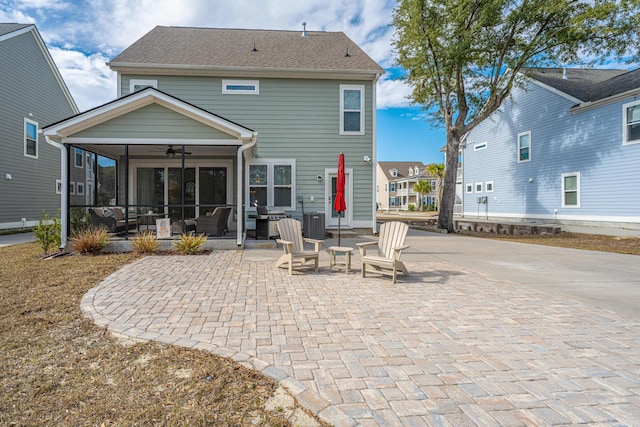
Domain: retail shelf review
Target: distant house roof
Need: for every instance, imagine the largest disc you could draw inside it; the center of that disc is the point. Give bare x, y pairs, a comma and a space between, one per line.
10, 28
207, 49
403, 170
587, 85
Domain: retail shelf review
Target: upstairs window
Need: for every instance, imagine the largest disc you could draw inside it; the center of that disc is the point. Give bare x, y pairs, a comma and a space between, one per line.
392, 187
30, 138
394, 173
241, 87
351, 110
524, 147
136, 84
631, 116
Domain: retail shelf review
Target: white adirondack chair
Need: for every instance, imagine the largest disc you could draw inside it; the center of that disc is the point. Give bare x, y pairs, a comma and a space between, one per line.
390, 246
293, 245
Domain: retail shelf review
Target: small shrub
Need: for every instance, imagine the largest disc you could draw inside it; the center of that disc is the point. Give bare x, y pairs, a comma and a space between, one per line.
412, 207
189, 243
91, 240
80, 220
145, 242
48, 232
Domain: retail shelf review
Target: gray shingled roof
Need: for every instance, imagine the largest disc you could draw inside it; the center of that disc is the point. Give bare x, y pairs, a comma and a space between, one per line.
403, 169
587, 84
9, 28
234, 48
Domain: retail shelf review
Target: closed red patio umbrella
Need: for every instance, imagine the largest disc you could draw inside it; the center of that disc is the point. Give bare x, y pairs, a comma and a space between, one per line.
339, 204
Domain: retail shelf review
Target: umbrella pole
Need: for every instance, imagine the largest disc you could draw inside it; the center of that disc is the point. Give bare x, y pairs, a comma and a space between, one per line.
339, 228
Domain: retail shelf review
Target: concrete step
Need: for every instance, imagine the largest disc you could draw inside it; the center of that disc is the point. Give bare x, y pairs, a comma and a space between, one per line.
347, 234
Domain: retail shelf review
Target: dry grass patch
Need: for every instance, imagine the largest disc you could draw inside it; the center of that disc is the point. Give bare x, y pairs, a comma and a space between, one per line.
60, 369
592, 242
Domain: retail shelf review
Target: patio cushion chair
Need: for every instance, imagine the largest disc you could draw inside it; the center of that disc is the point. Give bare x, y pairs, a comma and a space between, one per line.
214, 224
293, 245
112, 218
390, 246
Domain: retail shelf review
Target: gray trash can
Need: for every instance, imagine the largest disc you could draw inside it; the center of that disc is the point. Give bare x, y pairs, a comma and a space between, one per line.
314, 225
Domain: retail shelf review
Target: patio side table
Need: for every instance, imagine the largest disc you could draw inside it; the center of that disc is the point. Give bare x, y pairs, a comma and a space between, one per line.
334, 252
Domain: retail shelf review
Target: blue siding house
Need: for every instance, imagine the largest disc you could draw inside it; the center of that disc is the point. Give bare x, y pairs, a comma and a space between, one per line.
564, 148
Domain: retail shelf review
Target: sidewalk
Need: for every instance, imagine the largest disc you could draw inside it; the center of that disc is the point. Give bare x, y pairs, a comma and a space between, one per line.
15, 239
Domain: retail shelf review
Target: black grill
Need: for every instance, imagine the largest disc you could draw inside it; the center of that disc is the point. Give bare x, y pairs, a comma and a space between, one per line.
266, 219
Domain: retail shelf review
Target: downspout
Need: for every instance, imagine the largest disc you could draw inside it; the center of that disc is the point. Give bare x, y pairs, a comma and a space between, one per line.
240, 189
64, 198
374, 226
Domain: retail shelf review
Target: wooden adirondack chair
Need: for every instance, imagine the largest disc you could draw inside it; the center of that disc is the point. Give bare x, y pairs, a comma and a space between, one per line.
293, 245
390, 246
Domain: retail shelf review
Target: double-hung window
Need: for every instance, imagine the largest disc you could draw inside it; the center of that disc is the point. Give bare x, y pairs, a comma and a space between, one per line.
30, 138
571, 190
271, 183
631, 117
524, 147
351, 110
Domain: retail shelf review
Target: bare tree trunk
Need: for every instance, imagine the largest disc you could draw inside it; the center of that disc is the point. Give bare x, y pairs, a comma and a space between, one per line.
445, 215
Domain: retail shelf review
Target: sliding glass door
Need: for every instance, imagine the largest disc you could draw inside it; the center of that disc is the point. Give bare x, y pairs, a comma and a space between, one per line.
161, 189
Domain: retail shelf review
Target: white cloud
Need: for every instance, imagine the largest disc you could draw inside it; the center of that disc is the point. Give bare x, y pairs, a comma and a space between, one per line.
88, 78
393, 94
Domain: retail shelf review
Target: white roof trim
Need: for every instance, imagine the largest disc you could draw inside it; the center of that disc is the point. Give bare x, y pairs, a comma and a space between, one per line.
556, 91
140, 99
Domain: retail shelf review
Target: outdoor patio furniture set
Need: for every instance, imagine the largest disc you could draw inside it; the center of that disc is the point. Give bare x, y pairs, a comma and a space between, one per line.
385, 261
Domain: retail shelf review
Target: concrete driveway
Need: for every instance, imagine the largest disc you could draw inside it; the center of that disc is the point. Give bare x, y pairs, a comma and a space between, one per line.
481, 333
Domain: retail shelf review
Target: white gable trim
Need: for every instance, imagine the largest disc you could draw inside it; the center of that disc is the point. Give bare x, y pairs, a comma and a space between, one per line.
556, 91
148, 96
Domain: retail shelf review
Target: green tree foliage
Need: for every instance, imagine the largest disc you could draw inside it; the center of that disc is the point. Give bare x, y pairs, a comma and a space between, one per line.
463, 57
422, 187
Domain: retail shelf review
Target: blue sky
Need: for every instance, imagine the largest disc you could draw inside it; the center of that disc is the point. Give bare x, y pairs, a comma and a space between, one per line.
82, 35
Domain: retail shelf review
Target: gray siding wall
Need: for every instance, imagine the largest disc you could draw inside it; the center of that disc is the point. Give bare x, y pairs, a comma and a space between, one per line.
589, 142
294, 118
28, 89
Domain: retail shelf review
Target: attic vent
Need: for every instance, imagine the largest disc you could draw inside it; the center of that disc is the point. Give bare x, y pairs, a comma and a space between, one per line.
346, 54
254, 48
304, 29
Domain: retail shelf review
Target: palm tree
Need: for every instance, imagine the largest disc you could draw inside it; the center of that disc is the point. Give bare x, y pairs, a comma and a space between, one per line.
437, 170
422, 187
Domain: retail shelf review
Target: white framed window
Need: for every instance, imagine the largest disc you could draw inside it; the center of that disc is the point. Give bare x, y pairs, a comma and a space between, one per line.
271, 182
410, 171
394, 173
351, 110
469, 188
524, 147
571, 190
241, 87
480, 146
80, 189
72, 188
416, 170
137, 84
488, 186
631, 123
78, 158
30, 138
392, 187
478, 187
58, 186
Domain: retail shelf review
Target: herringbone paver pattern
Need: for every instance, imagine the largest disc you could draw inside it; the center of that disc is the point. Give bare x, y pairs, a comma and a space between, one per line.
442, 347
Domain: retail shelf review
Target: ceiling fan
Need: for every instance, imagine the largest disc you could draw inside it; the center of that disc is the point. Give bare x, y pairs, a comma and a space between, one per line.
171, 152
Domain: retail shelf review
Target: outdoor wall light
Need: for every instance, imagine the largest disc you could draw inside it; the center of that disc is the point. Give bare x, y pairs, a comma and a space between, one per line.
319, 178
366, 159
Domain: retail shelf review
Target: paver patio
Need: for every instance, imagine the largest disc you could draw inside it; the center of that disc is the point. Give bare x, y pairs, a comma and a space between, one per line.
446, 346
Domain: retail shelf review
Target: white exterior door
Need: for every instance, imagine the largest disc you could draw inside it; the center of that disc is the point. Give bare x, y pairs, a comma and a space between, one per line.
331, 216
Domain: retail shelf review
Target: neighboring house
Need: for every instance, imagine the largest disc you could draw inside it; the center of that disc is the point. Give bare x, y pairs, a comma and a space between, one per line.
32, 94
395, 183
208, 117
565, 148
